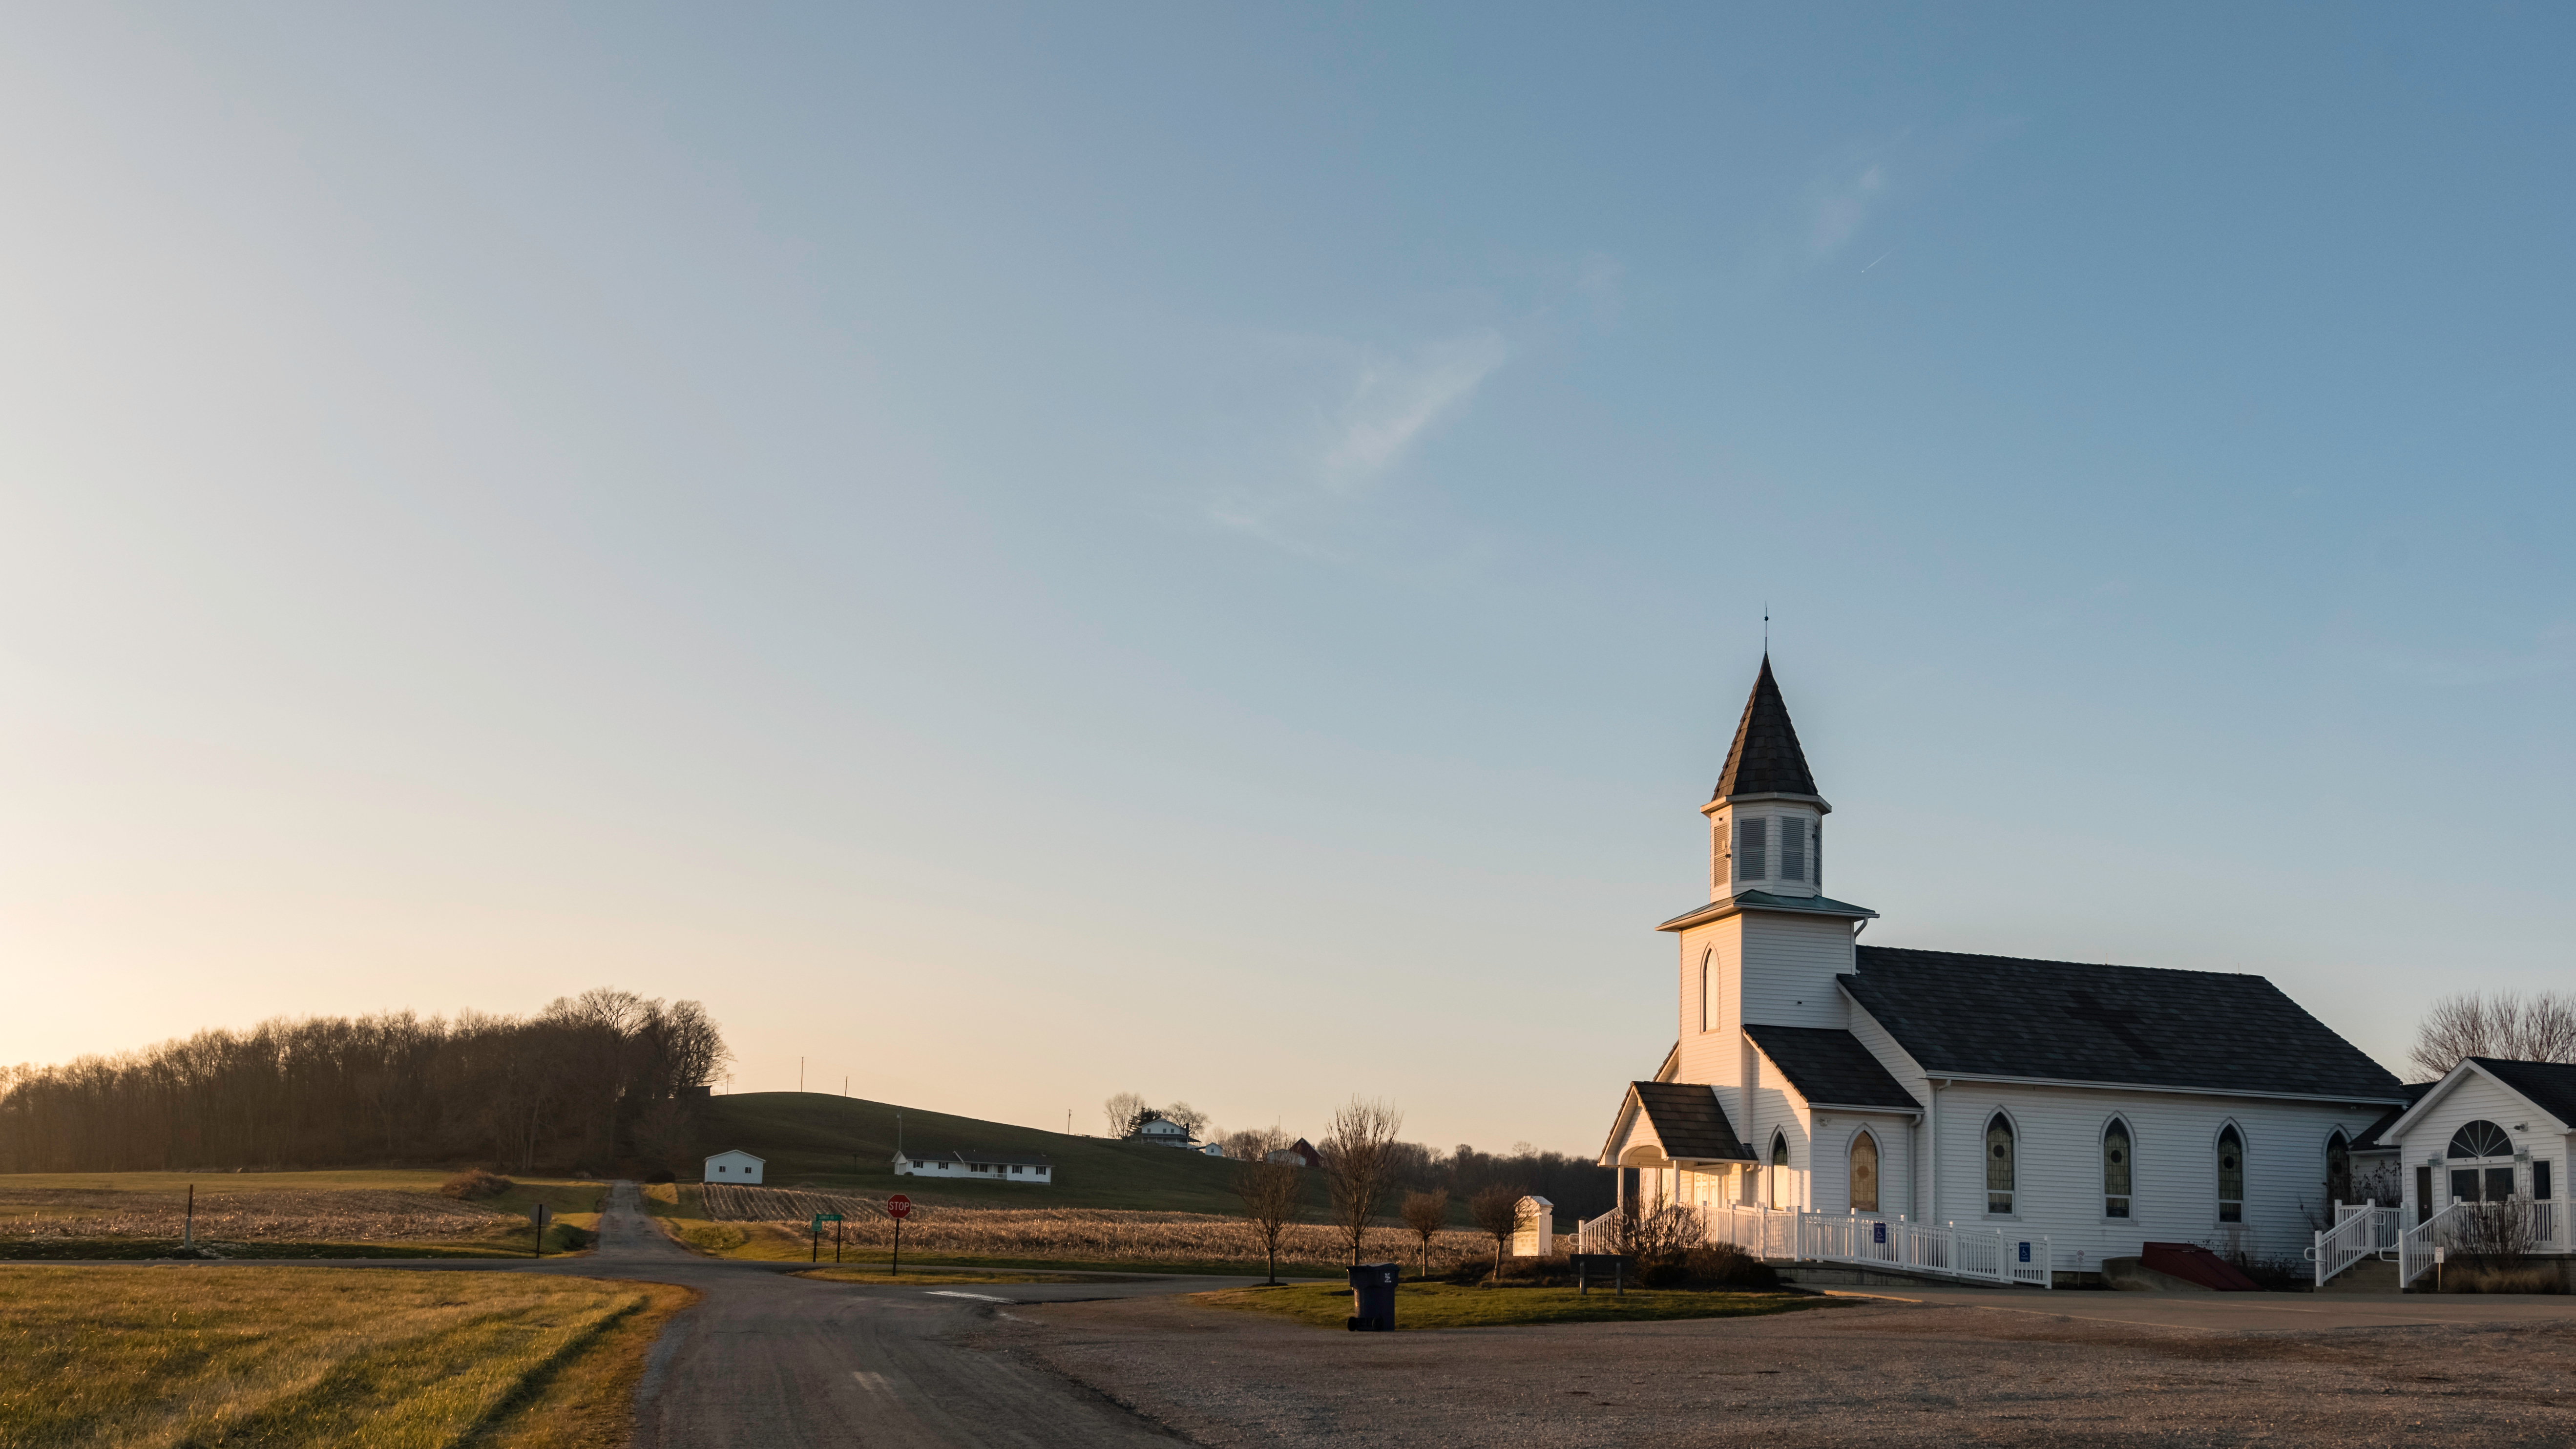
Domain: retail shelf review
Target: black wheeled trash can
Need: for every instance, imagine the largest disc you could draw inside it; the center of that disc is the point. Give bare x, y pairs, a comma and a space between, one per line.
1372, 1298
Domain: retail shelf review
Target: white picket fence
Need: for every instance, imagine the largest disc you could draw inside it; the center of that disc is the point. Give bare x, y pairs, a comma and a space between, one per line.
1782, 1235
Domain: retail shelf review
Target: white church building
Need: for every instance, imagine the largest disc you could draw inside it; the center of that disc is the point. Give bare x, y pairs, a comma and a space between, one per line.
1982, 1116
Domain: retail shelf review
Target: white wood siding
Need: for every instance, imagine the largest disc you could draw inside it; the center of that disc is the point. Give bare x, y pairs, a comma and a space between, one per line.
1789, 966
1709, 1056
2174, 1190
2476, 1097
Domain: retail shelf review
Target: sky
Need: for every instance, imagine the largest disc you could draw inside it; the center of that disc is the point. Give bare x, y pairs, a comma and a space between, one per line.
1022, 553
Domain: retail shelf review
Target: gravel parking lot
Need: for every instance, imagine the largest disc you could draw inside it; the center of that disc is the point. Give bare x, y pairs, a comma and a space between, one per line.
2080, 1369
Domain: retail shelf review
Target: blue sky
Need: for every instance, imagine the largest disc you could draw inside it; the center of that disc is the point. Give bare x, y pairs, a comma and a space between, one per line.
1026, 553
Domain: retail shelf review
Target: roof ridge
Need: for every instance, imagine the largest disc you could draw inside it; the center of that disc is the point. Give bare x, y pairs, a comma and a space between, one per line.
2054, 961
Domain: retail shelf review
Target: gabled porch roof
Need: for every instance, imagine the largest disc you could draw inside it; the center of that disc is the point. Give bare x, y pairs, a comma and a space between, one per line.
1683, 1121
2548, 1087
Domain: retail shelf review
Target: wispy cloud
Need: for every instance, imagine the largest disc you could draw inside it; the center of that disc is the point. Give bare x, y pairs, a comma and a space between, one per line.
1839, 204
1394, 400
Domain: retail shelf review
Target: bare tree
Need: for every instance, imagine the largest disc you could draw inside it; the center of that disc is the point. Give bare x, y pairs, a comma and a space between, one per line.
1359, 1159
1496, 1209
1190, 1119
1255, 1144
2540, 1028
1425, 1213
1123, 1111
1272, 1199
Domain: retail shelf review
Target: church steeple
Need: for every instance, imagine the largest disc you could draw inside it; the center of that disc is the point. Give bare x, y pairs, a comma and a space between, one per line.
1766, 821
1765, 759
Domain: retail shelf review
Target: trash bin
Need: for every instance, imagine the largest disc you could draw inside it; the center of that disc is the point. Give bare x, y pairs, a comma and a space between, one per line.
1372, 1298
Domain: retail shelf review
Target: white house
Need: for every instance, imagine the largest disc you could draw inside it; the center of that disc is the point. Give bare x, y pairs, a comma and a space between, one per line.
975, 1164
2070, 1111
1161, 1130
736, 1166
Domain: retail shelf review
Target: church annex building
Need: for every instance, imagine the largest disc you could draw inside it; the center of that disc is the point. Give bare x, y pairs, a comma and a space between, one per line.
2012, 1120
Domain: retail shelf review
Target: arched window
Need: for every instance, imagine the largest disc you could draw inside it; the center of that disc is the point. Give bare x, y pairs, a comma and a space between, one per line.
1864, 1173
2494, 1182
1999, 1164
2231, 1175
2338, 1168
2115, 1169
1707, 989
1779, 1168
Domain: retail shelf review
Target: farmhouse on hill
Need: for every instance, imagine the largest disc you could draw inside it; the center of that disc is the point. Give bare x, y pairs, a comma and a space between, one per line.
735, 1166
2016, 1120
1160, 1130
1027, 1169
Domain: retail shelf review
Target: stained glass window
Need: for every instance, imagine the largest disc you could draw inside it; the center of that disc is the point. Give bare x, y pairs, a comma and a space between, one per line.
1999, 1165
1864, 1173
1779, 1169
2338, 1168
2231, 1176
2115, 1170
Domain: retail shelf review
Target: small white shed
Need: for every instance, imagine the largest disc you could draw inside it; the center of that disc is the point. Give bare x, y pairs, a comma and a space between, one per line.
736, 1166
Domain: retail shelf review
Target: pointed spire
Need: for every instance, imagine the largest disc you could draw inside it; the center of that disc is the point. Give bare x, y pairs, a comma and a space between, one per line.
1765, 759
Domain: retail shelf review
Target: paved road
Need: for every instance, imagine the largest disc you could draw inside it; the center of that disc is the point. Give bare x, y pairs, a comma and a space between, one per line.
770, 1360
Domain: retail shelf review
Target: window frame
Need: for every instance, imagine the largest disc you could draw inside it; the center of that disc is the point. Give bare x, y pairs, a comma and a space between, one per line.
1877, 1171
2218, 1173
1985, 1152
2128, 1200
1707, 997
1780, 1165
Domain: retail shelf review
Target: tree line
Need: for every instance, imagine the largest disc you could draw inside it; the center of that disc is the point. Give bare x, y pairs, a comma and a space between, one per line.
584, 1084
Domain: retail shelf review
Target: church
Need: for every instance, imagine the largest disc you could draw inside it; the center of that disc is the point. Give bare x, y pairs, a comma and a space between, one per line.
2057, 1109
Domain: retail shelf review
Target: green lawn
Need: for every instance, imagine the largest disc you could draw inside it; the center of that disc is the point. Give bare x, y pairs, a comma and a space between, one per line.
291, 1357
1448, 1305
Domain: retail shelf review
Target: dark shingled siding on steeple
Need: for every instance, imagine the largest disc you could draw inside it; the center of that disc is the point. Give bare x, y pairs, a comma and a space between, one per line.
1765, 759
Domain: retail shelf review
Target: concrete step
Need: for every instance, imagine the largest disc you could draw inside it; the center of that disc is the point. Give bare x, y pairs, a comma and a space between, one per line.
2370, 1275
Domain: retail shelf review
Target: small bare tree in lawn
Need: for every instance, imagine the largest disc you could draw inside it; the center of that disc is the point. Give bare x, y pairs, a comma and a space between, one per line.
1496, 1210
1122, 1112
1359, 1159
1425, 1213
1273, 1197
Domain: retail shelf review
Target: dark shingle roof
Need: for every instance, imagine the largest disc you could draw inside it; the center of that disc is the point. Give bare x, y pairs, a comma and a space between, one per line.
1830, 1068
2369, 1141
1689, 1122
1765, 759
2001, 1016
2551, 1086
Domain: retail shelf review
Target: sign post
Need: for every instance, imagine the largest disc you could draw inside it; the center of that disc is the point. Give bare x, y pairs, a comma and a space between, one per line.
188, 1234
819, 1220
538, 1215
898, 1207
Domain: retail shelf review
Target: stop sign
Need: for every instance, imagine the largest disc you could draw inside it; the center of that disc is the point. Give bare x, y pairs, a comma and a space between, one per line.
898, 1206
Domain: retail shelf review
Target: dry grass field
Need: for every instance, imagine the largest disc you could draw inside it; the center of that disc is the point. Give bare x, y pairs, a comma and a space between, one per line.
289, 1357
405, 1208
771, 1223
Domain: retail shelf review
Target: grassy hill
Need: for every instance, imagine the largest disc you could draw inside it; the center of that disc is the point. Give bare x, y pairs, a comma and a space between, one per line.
849, 1142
